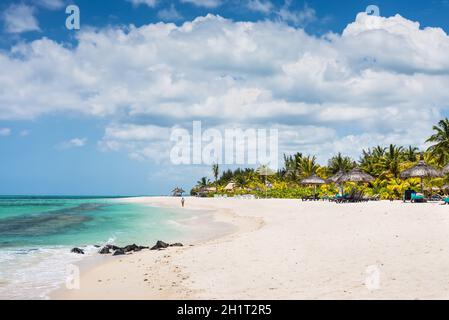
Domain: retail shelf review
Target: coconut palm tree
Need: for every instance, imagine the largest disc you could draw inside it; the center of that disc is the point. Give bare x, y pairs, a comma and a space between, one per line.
340, 163
215, 171
378, 152
440, 140
308, 166
203, 182
391, 161
369, 162
411, 154
291, 164
240, 181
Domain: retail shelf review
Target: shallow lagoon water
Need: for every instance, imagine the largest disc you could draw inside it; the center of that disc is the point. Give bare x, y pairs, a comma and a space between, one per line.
37, 233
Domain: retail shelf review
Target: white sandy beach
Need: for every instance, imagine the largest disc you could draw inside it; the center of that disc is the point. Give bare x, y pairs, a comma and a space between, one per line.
287, 249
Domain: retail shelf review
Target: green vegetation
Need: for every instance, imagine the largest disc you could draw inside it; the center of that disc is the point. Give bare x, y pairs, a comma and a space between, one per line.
383, 163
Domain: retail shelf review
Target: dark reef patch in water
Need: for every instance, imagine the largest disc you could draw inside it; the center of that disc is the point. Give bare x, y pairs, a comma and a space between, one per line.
47, 223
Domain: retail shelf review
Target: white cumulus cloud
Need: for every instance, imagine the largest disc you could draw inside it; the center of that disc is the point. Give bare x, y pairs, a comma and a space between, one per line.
18, 18
264, 6
204, 3
150, 3
4, 132
73, 143
385, 78
169, 14
50, 4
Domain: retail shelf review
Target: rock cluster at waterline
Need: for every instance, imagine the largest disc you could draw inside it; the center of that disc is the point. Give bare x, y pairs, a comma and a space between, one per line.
117, 251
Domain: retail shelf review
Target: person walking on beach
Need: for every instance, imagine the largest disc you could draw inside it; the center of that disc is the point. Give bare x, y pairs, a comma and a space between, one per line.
182, 202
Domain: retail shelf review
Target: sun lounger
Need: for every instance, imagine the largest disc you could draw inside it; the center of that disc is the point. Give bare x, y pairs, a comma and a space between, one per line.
408, 195
436, 197
418, 198
376, 197
310, 198
337, 198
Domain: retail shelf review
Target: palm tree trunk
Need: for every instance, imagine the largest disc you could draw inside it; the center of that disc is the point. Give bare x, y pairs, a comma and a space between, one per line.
266, 190
422, 185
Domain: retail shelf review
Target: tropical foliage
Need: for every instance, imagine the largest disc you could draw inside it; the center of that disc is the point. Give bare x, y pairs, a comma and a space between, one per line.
384, 163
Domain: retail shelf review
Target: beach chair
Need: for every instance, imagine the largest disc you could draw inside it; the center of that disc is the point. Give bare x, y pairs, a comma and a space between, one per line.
348, 198
408, 195
418, 198
310, 198
336, 198
436, 197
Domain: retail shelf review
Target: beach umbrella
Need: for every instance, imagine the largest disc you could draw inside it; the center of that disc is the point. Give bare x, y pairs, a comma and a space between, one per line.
335, 177
421, 170
265, 171
313, 180
355, 175
177, 192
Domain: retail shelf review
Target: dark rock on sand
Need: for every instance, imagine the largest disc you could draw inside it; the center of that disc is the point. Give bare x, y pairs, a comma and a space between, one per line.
134, 247
160, 245
112, 247
176, 244
104, 250
77, 251
119, 252
131, 247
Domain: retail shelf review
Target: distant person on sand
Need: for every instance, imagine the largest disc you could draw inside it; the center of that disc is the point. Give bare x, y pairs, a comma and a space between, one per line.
183, 201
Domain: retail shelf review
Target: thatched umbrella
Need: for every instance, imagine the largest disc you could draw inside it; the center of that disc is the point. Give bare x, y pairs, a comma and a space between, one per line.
421, 170
177, 192
313, 180
335, 177
265, 171
355, 175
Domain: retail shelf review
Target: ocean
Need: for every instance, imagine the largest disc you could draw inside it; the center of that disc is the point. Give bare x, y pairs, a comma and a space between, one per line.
37, 234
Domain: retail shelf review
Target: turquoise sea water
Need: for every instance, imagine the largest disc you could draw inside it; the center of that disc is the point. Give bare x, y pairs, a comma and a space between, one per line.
77, 221
37, 233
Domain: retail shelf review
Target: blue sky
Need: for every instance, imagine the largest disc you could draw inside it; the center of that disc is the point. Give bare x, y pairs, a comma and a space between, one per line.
89, 111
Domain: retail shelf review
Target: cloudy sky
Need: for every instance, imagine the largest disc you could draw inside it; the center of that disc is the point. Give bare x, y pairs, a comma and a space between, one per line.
91, 111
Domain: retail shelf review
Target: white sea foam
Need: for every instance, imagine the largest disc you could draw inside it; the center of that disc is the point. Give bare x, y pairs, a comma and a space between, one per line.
29, 273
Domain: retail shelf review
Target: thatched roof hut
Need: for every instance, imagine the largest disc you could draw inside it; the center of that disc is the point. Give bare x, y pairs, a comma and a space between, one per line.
355, 175
230, 186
